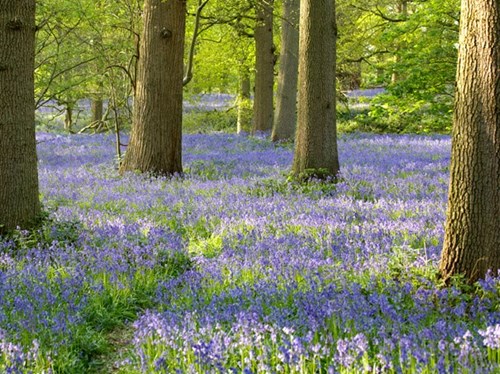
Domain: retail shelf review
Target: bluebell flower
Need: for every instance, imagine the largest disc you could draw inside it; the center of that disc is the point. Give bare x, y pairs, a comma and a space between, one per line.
491, 336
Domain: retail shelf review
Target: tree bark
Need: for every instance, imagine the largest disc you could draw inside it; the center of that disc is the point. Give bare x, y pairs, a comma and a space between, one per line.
472, 232
155, 142
285, 118
19, 201
403, 11
96, 108
244, 103
316, 137
264, 66
68, 117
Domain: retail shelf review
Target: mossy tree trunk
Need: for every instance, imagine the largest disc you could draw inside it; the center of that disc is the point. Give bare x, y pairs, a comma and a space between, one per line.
19, 200
472, 232
316, 137
155, 142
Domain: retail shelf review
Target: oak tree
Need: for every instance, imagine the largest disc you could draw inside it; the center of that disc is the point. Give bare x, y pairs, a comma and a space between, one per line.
19, 201
472, 234
155, 141
316, 139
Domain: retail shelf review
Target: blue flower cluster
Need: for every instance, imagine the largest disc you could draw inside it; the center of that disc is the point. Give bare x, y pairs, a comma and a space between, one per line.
280, 278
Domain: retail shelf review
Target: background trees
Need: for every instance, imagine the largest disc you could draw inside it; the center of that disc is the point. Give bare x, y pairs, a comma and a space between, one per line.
286, 96
264, 66
86, 50
19, 203
377, 41
472, 238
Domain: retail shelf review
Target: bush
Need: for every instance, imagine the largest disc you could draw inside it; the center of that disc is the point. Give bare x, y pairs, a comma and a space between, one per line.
394, 113
203, 122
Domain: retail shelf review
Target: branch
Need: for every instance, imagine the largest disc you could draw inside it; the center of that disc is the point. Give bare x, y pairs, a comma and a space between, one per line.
73, 67
380, 13
189, 71
365, 58
127, 72
40, 102
55, 75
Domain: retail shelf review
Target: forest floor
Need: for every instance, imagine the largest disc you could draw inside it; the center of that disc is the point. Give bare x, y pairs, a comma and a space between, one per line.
235, 268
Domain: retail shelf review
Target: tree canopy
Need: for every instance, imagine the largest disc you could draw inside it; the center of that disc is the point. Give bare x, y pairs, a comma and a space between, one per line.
88, 49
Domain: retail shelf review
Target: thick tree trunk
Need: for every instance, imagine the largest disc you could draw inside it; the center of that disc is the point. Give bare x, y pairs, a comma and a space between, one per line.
316, 137
155, 142
472, 233
285, 118
264, 66
244, 105
19, 202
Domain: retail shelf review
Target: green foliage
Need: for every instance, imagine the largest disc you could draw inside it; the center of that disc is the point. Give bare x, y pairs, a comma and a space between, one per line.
210, 170
309, 175
88, 51
85, 50
245, 114
225, 47
61, 55
393, 113
203, 122
47, 231
412, 52
210, 247
314, 187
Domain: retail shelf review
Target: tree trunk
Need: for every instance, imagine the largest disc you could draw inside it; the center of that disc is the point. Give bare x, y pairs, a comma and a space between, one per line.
403, 11
316, 138
155, 142
472, 232
97, 110
19, 202
68, 117
264, 66
351, 78
286, 104
244, 105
